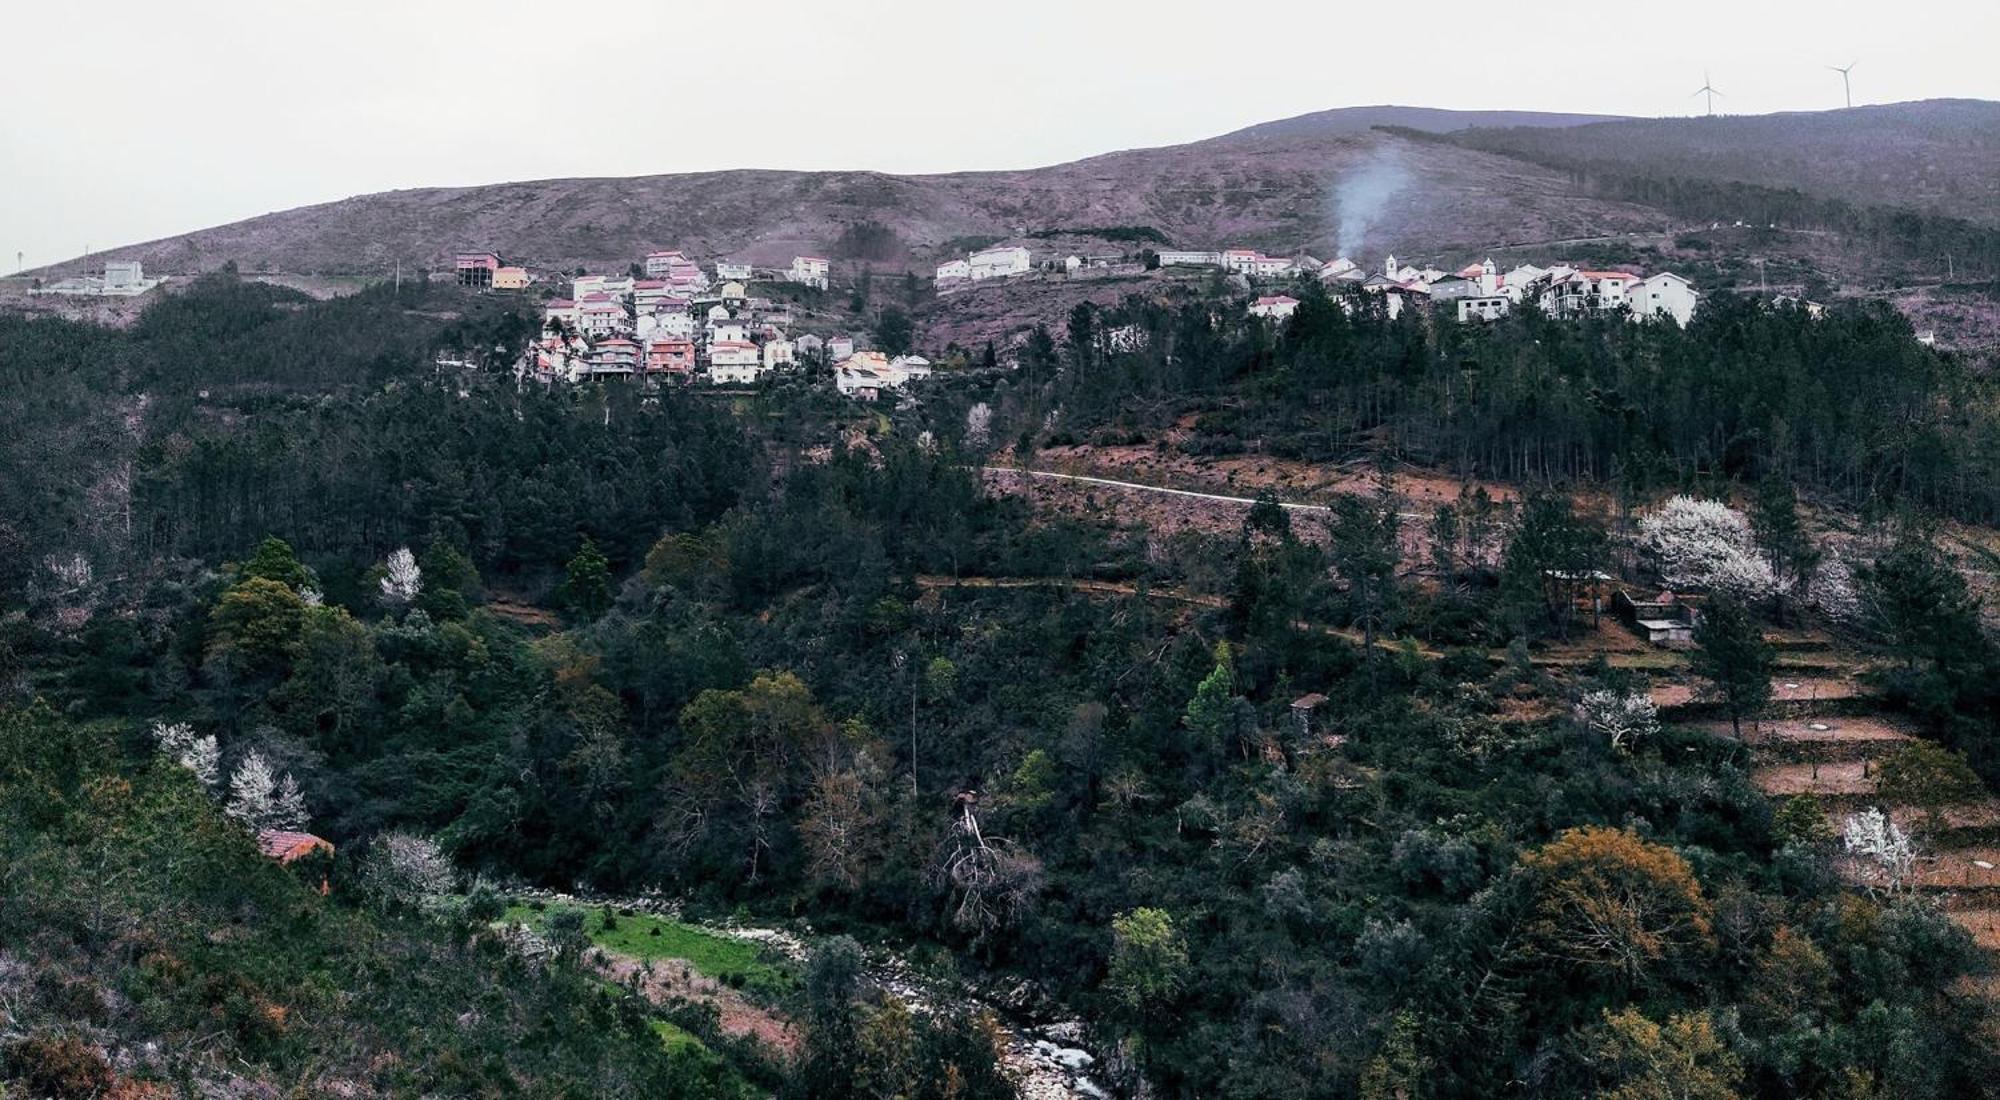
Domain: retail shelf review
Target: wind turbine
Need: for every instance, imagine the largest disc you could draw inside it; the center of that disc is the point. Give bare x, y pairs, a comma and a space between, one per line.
1845, 86
1708, 88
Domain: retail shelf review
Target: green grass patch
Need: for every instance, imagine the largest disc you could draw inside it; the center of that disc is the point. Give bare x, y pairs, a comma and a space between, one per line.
646, 937
719, 1078
677, 1039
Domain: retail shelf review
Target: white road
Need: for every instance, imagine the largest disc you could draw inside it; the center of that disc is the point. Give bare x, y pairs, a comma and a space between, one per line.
1142, 487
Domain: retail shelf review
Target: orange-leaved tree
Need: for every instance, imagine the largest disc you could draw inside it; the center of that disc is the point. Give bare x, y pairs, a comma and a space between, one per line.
1617, 909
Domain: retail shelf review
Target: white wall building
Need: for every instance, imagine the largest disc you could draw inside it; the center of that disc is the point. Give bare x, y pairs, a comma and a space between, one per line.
778, 353
666, 324
734, 361
1277, 307
660, 264
600, 317
1580, 291
1664, 295
809, 271
1185, 258
727, 272
996, 263
864, 376
953, 271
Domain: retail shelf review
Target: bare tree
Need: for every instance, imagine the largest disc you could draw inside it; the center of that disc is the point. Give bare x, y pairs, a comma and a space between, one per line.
995, 880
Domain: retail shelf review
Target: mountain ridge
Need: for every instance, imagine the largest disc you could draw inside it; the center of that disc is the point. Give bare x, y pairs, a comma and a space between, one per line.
1285, 185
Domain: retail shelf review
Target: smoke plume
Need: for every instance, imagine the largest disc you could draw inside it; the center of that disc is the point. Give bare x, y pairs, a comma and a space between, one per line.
1361, 194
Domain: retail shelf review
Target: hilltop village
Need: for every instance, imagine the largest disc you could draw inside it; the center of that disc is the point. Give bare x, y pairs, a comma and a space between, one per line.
671, 319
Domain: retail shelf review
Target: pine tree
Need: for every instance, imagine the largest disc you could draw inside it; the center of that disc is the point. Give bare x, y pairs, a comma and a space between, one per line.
1734, 658
586, 584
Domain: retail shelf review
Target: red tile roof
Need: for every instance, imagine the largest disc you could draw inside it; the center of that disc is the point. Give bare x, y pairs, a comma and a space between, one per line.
285, 846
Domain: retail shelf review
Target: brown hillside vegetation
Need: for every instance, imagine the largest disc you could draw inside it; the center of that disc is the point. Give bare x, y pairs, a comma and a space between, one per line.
1276, 193
1940, 156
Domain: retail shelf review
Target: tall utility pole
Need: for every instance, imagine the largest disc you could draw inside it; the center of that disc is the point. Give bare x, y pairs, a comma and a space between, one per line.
1846, 86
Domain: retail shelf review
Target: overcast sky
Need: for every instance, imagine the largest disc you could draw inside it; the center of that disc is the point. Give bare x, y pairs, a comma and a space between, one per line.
126, 121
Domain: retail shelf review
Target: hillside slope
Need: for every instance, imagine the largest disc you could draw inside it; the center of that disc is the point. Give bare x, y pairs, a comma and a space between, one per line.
1286, 187
1358, 120
1940, 156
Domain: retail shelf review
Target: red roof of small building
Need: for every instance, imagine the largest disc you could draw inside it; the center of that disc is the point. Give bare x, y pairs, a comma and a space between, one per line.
285, 846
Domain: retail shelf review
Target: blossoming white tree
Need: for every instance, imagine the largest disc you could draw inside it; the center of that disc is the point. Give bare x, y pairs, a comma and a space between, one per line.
1832, 590
402, 580
200, 755
1706, 544
260, 800
1624, 720
979, 425
1882, 843
404, 869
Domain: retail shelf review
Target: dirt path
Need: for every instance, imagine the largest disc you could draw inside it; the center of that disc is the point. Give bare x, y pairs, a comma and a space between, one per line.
1113, 483
1126, 588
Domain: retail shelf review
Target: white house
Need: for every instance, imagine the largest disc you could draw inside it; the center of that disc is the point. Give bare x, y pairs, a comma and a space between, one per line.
559, 309
995, 263
665, 324
725, 271
1579, 291
660, 264
839, 348
583, 286
1275, 306
809, 271
1271, 267
1184, 258
953, 271
734, 361
1487, 307
864, 376
1242, 261
778, 353
727, 332
1663, 295
123, 276
596, 318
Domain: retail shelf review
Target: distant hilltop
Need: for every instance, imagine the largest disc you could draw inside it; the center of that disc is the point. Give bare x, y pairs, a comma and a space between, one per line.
1332, 182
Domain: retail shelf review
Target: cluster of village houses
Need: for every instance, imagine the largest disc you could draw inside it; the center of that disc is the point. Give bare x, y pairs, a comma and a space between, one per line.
677, 323
1479, 292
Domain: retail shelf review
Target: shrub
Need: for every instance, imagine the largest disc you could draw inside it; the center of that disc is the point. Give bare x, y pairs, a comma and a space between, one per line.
48, 1064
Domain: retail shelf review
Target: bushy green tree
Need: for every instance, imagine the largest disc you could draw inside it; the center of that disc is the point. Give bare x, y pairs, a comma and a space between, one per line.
1732, 655
586, 587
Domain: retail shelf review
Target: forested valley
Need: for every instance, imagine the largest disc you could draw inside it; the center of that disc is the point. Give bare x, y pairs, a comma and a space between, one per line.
1334, 820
